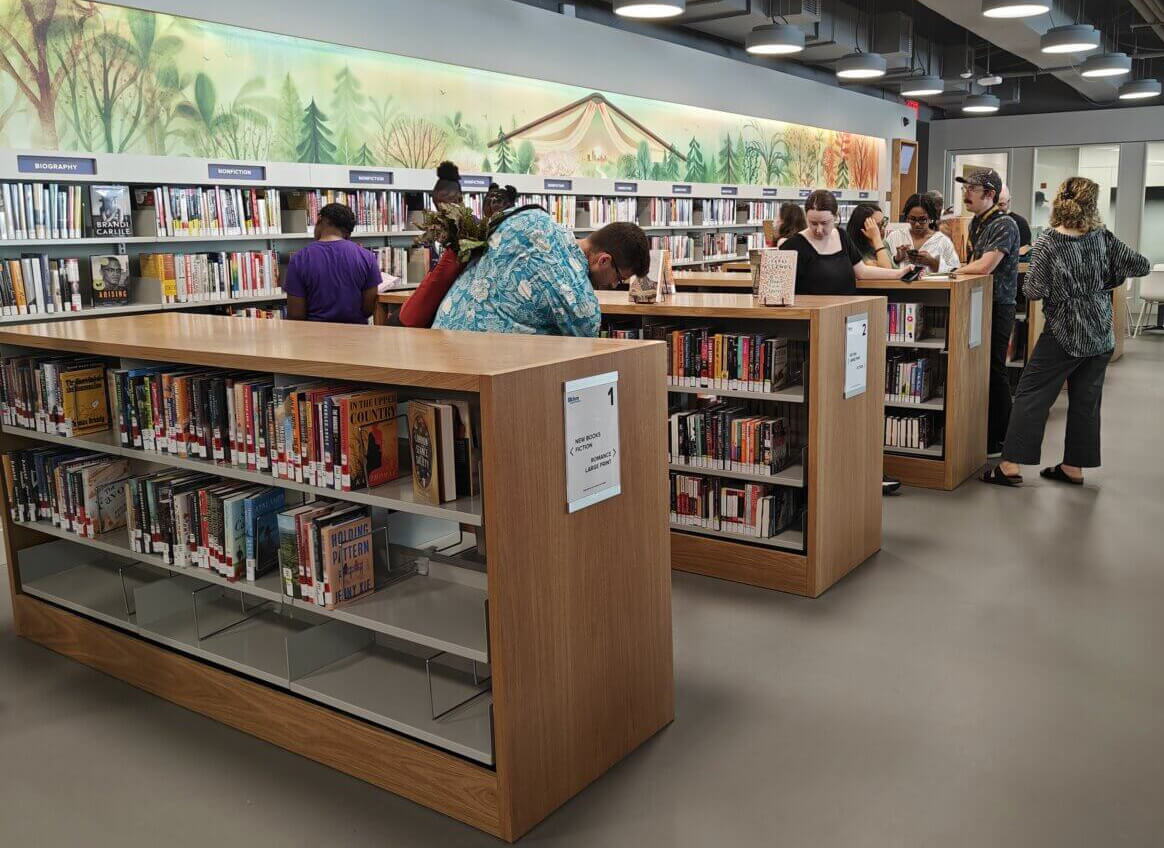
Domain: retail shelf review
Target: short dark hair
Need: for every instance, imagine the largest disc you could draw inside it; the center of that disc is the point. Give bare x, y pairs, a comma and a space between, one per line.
628, 244
821, 200
926, 202
792, 220
339, 216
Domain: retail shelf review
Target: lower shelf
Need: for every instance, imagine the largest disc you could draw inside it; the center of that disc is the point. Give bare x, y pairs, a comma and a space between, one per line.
933, 451
789, 540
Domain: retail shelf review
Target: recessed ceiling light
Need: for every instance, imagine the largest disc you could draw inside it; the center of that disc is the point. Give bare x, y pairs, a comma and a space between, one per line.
923, 87
1140, 89
774, 40
1014, 8
861, 66
1107, 65
980, 103
1073, 38
649, 8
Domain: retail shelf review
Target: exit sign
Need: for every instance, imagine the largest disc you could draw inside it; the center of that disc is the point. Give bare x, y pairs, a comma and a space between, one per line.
913, 104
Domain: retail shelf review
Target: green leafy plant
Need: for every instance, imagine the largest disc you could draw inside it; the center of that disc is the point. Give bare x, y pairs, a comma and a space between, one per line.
457, 228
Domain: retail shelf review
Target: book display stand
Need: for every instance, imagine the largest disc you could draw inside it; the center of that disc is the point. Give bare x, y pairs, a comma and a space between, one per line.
955, 347
440, 685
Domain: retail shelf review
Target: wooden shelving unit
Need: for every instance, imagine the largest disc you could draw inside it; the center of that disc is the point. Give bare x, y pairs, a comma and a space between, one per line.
712, 281
548, 702
967, 372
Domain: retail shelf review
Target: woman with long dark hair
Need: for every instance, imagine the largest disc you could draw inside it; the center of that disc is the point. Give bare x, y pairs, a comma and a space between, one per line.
866, 230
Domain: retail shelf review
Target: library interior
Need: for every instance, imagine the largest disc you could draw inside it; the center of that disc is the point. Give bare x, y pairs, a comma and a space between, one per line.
582, 423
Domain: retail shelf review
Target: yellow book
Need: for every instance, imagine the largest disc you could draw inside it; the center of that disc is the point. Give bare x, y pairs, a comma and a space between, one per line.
85, 400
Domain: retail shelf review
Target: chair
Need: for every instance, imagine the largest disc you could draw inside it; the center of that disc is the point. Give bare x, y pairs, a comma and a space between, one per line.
1151, 291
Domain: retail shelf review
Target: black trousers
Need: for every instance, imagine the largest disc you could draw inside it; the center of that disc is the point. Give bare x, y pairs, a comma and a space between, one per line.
997, 418
1038, 387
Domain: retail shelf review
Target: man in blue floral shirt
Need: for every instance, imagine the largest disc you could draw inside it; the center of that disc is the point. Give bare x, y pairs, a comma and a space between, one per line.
536, 278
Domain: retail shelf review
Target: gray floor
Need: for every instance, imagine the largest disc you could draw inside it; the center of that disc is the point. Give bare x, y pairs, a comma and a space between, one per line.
992, 678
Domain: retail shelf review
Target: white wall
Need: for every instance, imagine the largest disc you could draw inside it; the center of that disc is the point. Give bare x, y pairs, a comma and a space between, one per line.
510, 37
1052, 166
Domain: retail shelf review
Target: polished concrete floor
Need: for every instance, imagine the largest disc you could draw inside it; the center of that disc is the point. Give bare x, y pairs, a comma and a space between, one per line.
993, 677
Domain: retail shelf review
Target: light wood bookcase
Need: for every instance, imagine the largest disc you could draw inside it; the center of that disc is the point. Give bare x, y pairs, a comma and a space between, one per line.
966, 399
566, 618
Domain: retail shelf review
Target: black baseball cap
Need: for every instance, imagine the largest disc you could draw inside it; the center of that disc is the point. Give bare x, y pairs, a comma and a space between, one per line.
987, 178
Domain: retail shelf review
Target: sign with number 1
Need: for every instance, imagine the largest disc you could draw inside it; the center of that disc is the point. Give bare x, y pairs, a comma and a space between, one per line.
593, 462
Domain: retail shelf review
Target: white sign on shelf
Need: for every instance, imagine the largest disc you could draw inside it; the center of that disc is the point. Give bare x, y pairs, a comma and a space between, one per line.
975, 317
593, 463
856, 353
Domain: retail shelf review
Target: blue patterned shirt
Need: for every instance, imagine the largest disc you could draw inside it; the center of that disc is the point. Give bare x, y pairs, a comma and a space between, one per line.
532, 279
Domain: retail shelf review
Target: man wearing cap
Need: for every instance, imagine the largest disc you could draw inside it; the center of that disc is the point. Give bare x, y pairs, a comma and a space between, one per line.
994, 246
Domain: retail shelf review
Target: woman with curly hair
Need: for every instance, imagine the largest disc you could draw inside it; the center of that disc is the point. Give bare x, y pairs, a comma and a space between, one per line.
1074, 266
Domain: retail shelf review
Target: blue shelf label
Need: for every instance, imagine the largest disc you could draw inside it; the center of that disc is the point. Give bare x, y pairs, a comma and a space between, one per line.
626, 188
56, 165
680, 189
237, 172
558, 185
770, 192
805, 192
864, 195
729, 191
476, 181
370, 177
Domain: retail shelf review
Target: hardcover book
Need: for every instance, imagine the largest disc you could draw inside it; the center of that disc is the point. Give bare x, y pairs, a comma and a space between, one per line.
774, 276
109, 209
376, 460
110, 279
84, 401
346, 547
424, 441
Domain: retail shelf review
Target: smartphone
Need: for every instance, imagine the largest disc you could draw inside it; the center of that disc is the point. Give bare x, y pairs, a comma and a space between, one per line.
913, 254
913, 273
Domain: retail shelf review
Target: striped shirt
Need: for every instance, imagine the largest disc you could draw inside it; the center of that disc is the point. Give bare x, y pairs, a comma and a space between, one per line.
1074, 276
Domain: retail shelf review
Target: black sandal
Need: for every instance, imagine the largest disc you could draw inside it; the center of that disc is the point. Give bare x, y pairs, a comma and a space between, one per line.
995, 476
1060, 476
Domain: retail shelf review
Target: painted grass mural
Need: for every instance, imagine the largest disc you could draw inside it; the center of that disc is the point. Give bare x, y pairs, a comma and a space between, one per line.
84, 76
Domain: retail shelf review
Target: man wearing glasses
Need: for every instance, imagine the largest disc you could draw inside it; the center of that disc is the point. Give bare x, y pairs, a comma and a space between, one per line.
994, 244
535, 277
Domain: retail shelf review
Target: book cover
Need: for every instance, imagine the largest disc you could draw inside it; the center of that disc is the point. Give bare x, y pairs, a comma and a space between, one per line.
424, 446
287, 526
376, 460
262, 532
110, 279
347, 553
84, 400
774, 276
109, 209
360, 409
94, 479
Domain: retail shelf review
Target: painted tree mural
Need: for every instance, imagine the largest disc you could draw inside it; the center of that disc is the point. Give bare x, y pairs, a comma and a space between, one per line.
82, 75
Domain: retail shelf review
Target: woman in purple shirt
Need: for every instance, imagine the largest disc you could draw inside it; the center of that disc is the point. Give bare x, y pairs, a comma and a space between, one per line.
333, 278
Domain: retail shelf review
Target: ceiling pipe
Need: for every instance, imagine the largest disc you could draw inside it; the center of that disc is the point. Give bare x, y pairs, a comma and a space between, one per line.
1151, 11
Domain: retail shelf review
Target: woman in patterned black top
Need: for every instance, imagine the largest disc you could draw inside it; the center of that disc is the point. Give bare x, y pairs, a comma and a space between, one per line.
1074, 266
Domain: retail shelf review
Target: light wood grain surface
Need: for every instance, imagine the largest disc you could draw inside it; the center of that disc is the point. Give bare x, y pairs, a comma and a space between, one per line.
399, 355
712, 279
925, 285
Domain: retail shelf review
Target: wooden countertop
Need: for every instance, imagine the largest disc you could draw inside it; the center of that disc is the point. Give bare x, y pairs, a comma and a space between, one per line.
718, 279
940, 285
435, 358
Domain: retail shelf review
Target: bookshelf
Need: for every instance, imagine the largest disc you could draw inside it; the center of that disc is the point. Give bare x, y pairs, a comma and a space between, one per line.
364, 688
710, 281
837, 468
960, 407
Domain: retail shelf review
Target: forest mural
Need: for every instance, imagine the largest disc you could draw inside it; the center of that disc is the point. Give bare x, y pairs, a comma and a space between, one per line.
83, 76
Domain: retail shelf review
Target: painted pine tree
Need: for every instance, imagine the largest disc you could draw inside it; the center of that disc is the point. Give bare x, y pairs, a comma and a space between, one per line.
643, 161
486, 165
287, 120
695, 172
670, 166
524, 163
315, 144
364, 157
728, 160
505, 157
347, 113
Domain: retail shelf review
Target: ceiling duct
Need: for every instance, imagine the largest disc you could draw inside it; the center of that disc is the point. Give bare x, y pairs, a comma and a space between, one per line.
797, 12
893, 38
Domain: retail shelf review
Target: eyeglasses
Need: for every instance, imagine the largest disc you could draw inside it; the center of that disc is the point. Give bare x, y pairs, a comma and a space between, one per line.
913, 219
619, 279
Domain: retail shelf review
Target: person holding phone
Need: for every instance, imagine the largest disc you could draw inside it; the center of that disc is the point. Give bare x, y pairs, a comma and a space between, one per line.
923, 244
866, 230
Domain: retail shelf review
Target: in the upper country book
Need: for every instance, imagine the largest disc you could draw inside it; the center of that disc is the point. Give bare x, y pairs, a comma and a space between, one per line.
110, 279
109, 210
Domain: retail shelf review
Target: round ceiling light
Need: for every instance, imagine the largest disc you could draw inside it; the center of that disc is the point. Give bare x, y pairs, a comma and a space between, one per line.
861, 66
980, 103
1014, 8
1073, 38
1107, 65
923, 87
650, 8
1140, 89
774, 40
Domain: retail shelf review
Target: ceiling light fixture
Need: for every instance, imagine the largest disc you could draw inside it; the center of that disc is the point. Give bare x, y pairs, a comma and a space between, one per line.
923, 87
861, 66
1073, 38
986, 82
1014, 8
1107, 65
980, 103
1140, 89
774, 40
653, 9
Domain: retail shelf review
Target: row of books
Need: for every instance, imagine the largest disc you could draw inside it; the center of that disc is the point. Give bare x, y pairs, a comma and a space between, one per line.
276, 312
756, 241
41, 211
719, 210
905, 322
328, 551
729, 437
560, 206
910, 378
670, 211
912, 431
758, 510
719, 244
763, 210
213, 210
222, 275
608, 210
733, 361
376, 210
34, 284
682, 247
59, 395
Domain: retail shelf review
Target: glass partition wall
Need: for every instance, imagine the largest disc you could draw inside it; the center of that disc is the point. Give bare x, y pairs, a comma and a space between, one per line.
1099, 162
